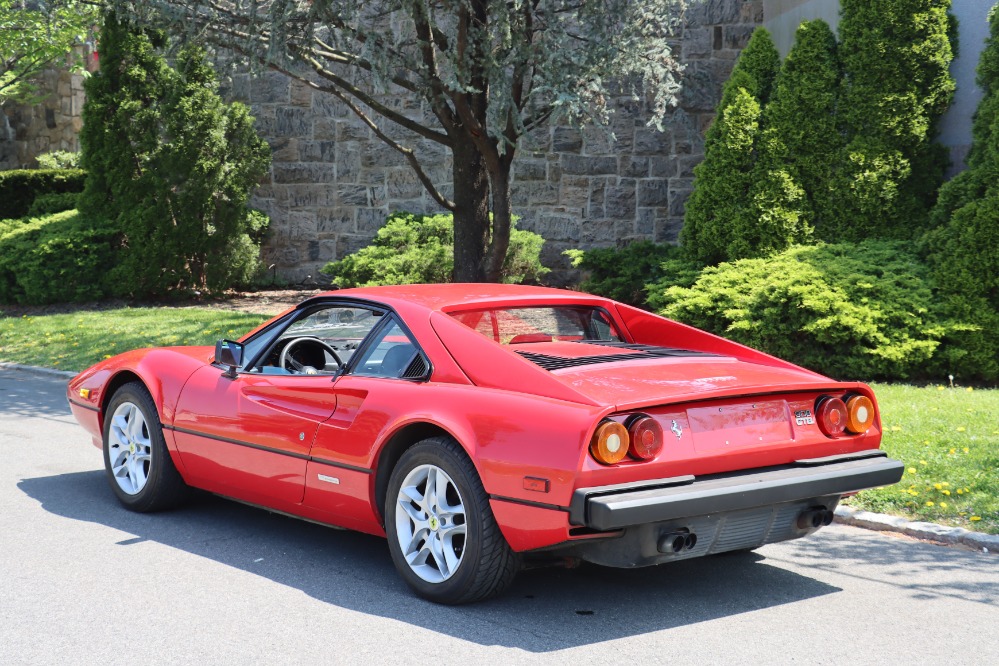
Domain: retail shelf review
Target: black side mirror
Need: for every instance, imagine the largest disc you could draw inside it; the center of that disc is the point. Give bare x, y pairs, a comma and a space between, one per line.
229, 354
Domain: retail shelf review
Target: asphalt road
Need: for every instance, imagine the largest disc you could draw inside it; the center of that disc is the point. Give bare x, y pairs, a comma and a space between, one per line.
84, 581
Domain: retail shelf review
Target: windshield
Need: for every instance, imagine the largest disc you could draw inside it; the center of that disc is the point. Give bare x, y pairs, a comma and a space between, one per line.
512, 326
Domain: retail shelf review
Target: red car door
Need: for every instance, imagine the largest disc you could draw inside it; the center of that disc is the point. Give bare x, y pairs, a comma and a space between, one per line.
249, 437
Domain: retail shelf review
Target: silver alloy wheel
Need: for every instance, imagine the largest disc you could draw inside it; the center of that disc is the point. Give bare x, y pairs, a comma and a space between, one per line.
430, 523
129, 448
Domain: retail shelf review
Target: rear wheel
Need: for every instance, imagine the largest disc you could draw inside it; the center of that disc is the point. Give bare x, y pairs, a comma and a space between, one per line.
442, 535
136, 461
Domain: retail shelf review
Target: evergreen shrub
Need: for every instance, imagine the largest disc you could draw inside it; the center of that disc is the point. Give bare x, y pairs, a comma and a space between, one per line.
19, 188
851, 311
412, 248
47, 204
172, 165
58, 258
623, 273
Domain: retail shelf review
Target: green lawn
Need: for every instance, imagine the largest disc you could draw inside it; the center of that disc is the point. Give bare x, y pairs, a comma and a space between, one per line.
77, 341
948, 438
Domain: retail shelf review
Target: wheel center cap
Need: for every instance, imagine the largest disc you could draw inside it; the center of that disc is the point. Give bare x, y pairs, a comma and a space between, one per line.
131, 448
434, 523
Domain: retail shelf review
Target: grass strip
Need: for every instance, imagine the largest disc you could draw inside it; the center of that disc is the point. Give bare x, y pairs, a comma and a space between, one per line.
78, 340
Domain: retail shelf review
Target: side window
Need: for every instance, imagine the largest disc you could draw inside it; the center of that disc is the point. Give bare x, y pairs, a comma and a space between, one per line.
319, 341
392, 354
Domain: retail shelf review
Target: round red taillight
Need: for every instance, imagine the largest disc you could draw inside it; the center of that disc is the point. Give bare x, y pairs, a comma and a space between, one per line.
832, 415
646, 438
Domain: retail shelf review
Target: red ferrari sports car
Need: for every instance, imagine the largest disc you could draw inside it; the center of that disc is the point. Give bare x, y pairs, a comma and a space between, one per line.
482, 426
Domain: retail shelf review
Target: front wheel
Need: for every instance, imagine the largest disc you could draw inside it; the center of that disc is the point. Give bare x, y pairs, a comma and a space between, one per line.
442, 535
136, 461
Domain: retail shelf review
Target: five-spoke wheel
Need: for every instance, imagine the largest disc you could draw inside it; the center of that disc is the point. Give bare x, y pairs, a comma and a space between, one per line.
138, 466
442, 535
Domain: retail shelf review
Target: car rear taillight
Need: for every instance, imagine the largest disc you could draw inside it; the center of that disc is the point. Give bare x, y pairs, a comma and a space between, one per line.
831, 413
646, 437
610, 443
859, 414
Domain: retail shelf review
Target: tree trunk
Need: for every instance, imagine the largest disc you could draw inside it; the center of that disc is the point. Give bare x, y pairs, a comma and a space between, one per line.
471, 213
499, 181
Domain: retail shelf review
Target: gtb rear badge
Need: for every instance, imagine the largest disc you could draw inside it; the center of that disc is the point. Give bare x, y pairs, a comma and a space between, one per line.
676, 429
804, 417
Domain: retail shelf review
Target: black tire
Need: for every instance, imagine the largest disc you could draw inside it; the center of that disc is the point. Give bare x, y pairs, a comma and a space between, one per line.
162, 486
487, 565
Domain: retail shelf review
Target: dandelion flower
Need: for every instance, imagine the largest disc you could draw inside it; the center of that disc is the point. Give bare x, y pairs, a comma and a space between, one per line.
960, 428
940, 388
966, 449
946, 492
943, 505
969, 389
938, 486
976, 518
960, 492
922, 462
911, 470
930, 503
953, 451
896, 428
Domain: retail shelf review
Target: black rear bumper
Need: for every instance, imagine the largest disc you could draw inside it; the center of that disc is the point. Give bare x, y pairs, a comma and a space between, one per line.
609, 508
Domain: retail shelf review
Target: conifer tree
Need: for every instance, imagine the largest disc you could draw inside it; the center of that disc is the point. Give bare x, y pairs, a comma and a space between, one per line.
171, 165
801, 143
895, 55
721, 203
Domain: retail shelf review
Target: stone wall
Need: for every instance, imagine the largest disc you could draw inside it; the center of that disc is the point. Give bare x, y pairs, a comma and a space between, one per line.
53, 124
333, 183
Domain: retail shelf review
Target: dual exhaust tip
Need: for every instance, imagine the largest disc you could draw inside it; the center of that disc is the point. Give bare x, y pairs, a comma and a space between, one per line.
675, 542
814, 518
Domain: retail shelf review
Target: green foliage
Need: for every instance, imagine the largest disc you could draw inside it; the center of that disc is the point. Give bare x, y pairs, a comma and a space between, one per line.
47, 204
20, 187
801, 143
623, 273
59, 159
896, 57
35, 37
412, 248
54, 259
864, 310
172, 165
721, 207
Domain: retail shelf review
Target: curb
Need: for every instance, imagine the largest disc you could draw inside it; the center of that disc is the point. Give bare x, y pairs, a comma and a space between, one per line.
987, 543
35, 370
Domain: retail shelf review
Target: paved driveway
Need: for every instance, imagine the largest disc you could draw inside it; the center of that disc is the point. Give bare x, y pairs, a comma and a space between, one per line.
84, 581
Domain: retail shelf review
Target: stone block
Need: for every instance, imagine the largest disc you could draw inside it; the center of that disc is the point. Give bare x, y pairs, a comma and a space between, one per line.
619, 202
526, 169
353, 130
633, 167
370, 220
300, 225
567, 140
668, 229
402, 184
323, 128
325, 104
737, 36
317, 151
574, 194
645, 222
696, 43
650, 141
686, 164
555, 227
301, 94
351, 243
711, 12
701, 88
292, 122
348, 162
677, 202
302, 196
653, 192
333, 221
662, 167
304, 173
590, 166
352, 195
270, 88
283, 149
597, 141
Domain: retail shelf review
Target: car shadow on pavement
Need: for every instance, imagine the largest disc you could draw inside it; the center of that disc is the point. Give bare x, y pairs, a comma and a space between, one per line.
545, 610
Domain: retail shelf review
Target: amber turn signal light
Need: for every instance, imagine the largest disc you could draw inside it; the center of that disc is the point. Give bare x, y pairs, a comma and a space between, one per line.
646, 438
859, 414
610, 443
831, 414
